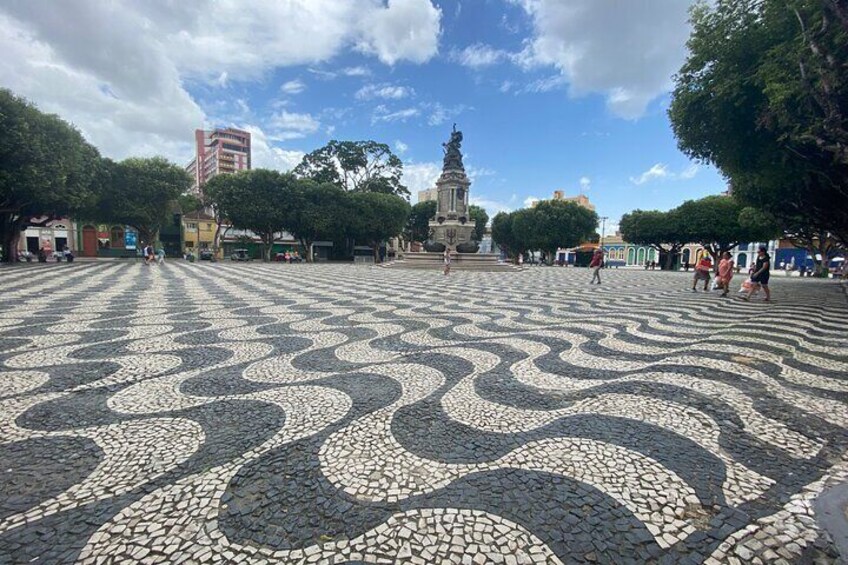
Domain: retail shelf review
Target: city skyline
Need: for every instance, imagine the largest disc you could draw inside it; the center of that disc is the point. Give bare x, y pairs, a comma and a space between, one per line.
548, 98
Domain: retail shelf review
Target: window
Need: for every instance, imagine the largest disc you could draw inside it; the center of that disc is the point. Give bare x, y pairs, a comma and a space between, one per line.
208, 226
191, 226
116, 236
189, 244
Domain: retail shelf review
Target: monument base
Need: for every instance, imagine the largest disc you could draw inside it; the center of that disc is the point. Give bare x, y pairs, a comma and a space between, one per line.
459, 262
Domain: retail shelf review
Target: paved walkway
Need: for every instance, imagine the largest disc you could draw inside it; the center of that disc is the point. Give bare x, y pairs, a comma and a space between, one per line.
256, 413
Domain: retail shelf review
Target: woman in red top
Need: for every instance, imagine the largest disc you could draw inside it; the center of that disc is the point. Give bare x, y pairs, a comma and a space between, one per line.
596, 264
702, 273
725, 273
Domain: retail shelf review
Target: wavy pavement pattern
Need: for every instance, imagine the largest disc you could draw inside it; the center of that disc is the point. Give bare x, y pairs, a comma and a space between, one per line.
271, 413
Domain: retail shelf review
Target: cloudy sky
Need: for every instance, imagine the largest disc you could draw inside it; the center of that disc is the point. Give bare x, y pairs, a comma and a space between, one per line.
550, 94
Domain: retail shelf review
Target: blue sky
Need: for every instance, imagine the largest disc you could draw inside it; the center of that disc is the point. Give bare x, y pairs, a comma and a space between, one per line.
550, 94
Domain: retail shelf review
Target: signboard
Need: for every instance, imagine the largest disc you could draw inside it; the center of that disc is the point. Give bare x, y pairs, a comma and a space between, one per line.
130, 239
46, 242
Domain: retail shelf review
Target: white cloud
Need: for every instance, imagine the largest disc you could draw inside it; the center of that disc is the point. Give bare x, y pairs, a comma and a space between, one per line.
383, 114
421, 176
440, 114
123, 103
117, 69
690, 171
506, 86
530, 201
401, 147
358, 71
624, 50
492, 207
661, 171
478, 55
658, 171
585, 183
289, 125
295, 86
385, 91
267, 156
402, 30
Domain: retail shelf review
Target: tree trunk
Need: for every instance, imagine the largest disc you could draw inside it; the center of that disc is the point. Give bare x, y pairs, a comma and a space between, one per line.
11, 235
376, 248
268, 244
10, 246
309, 251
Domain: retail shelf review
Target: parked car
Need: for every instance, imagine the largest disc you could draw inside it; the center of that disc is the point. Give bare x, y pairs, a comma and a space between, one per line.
207, 255
240, 255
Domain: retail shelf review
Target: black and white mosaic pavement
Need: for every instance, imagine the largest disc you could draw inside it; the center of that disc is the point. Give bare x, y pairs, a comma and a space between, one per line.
336, 414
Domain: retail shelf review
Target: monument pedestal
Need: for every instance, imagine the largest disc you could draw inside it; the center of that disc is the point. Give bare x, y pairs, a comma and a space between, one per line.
482, 262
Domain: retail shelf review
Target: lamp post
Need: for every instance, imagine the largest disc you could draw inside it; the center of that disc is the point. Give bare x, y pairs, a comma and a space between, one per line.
603, 227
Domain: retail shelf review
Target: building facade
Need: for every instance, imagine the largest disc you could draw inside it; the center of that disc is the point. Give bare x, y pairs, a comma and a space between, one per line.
431, 194
198, 231
53, 236
218, 151
580, 199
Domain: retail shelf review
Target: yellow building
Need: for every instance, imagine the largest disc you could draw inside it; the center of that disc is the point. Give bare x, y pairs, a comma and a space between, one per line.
198, 232
580, 199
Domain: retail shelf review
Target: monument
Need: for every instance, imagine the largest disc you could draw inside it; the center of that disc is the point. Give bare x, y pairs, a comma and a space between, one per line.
452, 227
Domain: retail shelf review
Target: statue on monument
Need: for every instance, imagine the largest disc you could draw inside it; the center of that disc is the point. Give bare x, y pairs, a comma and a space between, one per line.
453, 154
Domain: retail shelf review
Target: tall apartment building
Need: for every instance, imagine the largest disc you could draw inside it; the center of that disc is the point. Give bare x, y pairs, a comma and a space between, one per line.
219, 151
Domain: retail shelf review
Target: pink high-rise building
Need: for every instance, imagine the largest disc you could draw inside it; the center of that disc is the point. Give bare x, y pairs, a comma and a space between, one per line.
219, 151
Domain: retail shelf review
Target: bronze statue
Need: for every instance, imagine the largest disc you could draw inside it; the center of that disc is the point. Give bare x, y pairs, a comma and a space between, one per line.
453, 153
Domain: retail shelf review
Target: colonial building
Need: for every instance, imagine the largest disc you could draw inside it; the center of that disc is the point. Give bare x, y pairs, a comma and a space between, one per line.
105, 240
54, 235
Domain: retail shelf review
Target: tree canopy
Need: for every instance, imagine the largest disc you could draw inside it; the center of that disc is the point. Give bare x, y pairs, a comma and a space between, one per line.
316, 211
763, 95
481, 219
356, 166
418, 224
719, 225
664, 231
549, 225
48, 169
376, 217
140, 193
257, 200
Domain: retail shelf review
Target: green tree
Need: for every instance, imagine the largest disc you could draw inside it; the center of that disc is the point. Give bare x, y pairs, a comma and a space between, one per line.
763, 95
189, 202
526, 235
257, 200
376, 217
664, 231
557, 223
717, 223
48, 169
356, 166
316, 211
502, 233
212, 190
141, 192
481, 218
418, 224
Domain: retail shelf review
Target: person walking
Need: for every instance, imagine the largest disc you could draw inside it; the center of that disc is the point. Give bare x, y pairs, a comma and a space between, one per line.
596, 264
160, 256
447, 261
702, 273
760, 275
725, 273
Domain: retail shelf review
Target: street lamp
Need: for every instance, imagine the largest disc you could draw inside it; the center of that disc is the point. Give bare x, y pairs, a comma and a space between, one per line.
603, 227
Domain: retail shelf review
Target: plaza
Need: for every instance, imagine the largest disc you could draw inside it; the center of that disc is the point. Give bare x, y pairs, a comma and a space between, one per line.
230, 413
